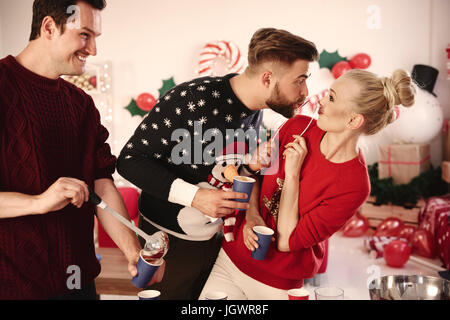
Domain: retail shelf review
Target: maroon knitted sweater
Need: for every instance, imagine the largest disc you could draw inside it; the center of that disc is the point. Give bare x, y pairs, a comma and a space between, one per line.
48, 129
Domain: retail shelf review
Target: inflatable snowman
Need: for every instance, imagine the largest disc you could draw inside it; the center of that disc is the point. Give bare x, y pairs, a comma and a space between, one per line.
194, 223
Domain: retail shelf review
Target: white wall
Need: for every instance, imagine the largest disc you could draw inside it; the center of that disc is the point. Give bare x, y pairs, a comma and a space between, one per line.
440, 38
149, 40
2, 11
15, 20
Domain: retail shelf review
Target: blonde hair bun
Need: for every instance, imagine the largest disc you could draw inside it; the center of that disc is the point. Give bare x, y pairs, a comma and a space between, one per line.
378, 97
399, 89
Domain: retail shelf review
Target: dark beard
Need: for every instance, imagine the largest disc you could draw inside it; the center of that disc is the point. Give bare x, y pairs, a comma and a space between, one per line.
287, 111
281, 105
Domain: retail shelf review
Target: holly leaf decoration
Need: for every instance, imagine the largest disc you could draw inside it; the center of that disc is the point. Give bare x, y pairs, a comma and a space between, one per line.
135, 110
328, 60
167, 85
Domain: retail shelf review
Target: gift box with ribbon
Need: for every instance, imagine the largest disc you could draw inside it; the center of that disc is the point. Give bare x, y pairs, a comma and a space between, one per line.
434, 217
403, 162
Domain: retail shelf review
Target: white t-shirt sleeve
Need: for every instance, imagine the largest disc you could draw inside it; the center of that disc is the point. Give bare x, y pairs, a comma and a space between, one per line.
182, 192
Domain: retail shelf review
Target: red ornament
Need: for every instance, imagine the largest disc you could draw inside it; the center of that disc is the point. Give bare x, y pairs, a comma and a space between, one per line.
356, 226
340, 68
389, 227
422, 244
406, 232
397, 253
146, 101
93, 81
361, 61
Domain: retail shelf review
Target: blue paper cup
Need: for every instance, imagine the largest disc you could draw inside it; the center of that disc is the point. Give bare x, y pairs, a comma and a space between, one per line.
243, 185
146, 271
264, 239
149, 295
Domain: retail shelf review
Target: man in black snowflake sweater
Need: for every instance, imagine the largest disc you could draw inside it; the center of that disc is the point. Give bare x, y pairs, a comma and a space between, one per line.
176, 154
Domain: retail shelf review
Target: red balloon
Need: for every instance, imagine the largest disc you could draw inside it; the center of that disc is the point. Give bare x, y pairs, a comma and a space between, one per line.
423, 244
406, 232
146, 101
389, 227
340, 68
356, 226
396, 253
361, 61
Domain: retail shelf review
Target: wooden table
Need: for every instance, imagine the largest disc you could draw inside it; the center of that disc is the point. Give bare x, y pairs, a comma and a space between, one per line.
114, 279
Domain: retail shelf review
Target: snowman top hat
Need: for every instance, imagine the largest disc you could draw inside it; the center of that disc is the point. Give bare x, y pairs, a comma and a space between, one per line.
425, 77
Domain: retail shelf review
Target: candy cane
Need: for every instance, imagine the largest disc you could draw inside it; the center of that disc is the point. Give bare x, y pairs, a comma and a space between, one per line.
314, 100
220, 49
375, 245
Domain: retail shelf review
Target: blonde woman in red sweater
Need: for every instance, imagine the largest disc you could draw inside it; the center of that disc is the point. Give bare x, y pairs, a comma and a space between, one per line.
321, 182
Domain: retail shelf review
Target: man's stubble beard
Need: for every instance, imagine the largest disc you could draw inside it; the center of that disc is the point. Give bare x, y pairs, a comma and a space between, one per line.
281, 105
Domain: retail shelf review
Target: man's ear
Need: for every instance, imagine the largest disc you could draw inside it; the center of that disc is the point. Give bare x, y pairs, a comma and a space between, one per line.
48, 28
356, 121
266, 78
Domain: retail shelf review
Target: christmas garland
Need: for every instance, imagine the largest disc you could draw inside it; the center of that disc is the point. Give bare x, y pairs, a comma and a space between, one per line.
426, 185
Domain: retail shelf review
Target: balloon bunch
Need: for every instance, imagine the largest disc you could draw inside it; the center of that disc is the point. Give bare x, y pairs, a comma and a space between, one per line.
359, 61
395, 241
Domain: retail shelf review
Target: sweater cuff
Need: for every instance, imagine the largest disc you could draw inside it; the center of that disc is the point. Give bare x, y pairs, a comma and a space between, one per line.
182, 193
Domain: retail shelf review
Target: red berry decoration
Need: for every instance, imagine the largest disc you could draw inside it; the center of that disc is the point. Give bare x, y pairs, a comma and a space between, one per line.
340, 68
146, 101
361, 61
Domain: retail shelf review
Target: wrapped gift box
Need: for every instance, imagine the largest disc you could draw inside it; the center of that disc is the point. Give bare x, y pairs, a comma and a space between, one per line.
403, 162
434, 217
376, 214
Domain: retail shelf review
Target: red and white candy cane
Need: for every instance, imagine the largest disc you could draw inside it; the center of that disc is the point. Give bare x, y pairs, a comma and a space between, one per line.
314, 100
226, 50
375, 245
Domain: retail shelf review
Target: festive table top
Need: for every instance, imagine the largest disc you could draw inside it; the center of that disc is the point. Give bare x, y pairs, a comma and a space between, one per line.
350, 268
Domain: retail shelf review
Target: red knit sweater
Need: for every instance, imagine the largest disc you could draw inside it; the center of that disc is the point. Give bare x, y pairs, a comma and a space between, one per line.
48, 129
330, 194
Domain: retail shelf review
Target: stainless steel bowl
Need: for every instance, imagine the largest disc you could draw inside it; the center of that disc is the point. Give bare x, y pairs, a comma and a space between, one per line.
409, 288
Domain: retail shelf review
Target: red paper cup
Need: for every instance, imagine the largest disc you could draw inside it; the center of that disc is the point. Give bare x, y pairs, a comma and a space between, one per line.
298, 294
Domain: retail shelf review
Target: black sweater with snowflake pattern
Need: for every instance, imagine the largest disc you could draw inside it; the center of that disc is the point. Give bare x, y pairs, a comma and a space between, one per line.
176, 144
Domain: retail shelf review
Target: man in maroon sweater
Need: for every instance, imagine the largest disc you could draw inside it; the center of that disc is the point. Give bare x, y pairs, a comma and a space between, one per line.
52, 147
